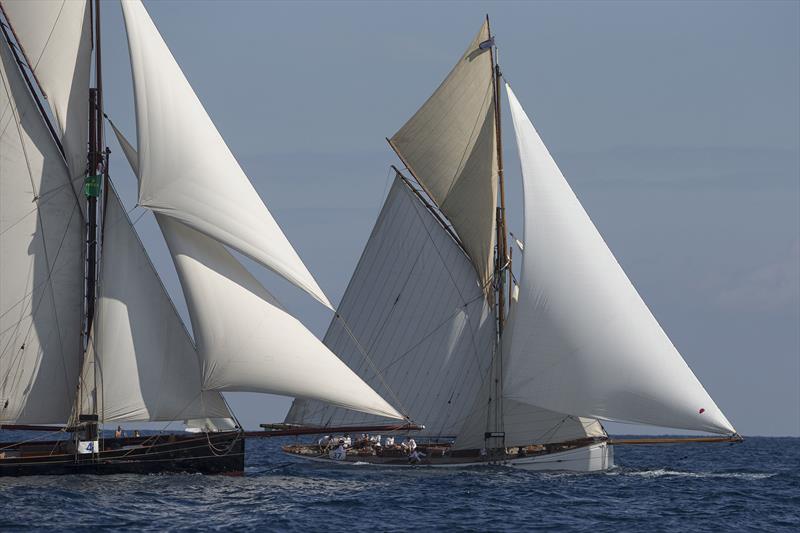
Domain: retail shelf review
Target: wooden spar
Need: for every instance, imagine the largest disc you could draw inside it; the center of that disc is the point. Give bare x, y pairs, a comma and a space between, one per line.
411, 171
31, 427
502, 242
304, 430
674, 440
432, 210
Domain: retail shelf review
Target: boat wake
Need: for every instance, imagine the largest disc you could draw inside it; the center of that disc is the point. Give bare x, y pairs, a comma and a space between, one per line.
662, 472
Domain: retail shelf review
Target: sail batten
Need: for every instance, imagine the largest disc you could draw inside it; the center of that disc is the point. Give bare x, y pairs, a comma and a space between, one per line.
583, 341
187, 170
449, 147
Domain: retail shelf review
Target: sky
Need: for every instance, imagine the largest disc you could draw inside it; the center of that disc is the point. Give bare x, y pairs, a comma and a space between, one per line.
676, 123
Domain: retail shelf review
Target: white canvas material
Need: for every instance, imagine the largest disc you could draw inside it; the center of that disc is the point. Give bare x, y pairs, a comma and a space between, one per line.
186, 169
582, 340
41, 263
56, 37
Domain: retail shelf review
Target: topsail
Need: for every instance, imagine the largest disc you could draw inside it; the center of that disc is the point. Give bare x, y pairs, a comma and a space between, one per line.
55, 36
449, 147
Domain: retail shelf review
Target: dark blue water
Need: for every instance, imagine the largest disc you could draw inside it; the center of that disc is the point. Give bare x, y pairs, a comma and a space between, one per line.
750, 486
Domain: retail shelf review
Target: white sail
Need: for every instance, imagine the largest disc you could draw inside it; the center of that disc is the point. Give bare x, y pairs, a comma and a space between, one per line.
449, 146
415, 305
41, 263
186, 169
245, 341
148, 368
56, 37
583, 341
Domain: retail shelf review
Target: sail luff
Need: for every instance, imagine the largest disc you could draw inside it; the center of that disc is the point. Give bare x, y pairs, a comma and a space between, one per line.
589, 345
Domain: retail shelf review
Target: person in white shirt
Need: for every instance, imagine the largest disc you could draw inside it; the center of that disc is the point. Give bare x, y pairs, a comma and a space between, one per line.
339, 453
347, 441
412, 444
389, 441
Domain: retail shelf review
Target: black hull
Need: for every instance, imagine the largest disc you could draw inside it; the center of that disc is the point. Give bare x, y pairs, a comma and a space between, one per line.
215, 453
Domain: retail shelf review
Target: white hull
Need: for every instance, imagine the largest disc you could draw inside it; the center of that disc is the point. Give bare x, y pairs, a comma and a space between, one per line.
593, 458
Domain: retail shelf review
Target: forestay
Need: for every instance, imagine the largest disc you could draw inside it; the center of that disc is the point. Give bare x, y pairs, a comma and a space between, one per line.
415, 306
246, 342
148, 368
449, 146
55, 36
41, 263
187, 170
583, 341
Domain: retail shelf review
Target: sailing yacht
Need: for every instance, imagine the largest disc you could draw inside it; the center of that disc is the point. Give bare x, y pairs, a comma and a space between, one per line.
499, 370
88, 334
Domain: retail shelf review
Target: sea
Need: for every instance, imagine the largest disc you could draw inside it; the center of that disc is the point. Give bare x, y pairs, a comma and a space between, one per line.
751, 486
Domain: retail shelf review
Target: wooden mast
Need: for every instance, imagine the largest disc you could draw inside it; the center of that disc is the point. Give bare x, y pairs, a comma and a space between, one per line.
92, 189
497, 430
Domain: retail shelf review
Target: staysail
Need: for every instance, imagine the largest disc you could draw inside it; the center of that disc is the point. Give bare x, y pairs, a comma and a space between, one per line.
55, 36
415, 305
148, 368
41, 263
245, 341
449, 147
589, 345
186, 169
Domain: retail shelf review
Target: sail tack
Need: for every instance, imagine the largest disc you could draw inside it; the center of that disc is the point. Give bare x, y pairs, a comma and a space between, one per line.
415, 305
41, 263
148, 368
55, 36
245, 341
186, 169
583, 341
449, 147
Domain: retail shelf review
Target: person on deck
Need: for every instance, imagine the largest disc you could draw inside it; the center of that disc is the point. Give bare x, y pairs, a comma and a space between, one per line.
390, 442
412, 444
118, 433
415, 457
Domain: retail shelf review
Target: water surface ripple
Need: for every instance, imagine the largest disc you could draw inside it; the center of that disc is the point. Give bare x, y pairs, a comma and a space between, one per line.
749, 486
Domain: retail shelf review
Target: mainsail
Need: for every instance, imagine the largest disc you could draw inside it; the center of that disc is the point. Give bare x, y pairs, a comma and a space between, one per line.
583, 341
55, 36
415, 305
186, 169
449, 147
41, 263
146, 361
245, 340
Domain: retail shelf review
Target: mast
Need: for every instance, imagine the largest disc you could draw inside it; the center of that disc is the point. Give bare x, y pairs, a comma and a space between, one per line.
496, 431
97, 158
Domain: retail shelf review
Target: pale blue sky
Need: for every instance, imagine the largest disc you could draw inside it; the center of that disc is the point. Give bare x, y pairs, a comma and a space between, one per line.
677, 124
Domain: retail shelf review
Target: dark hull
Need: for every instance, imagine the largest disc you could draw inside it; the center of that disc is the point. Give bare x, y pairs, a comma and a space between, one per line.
216, 453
